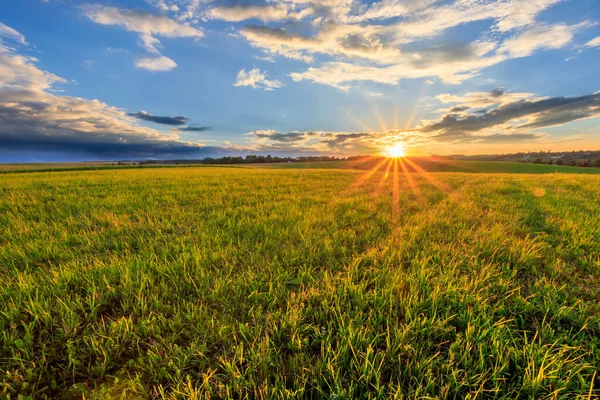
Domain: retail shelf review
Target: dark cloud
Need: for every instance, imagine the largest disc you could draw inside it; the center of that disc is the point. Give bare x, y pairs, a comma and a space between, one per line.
445, 53
283, 137
174, 121
459, 109
498, 92
194, 129
106, 147
343, 138
85, 129
465, 137
278, 34
546, 112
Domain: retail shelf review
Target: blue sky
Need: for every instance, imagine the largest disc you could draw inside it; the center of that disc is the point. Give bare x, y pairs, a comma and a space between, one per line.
143, 79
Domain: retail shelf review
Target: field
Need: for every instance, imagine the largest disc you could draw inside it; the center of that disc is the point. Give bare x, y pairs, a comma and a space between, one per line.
300, 283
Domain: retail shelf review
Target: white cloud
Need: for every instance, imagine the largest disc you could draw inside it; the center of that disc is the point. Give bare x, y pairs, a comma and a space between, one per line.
256, 79
156, 64
390, 40
451, 65
485, 99
18, 72
594, 42
141, 22
540, 37
8, 32
148, 26
239, 13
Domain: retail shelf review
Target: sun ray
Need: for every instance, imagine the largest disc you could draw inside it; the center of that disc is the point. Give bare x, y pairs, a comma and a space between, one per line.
384, 177
366, 176
410, 119
396, 192
361, 122
427, 175
409, 178
360, 161
380, 120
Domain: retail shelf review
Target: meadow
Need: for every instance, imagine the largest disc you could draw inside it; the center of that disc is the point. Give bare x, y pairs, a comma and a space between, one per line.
282, 282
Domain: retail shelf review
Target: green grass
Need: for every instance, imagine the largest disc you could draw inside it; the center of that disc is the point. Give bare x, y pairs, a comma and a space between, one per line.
299, 283
440, 165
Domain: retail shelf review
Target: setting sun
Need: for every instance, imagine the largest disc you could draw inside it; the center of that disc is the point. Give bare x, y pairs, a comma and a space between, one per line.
396, 151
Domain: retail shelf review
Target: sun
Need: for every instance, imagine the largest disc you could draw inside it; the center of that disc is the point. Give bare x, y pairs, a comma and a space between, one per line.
396, 151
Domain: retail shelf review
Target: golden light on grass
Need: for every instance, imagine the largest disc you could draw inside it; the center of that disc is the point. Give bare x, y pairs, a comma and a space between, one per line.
396, 151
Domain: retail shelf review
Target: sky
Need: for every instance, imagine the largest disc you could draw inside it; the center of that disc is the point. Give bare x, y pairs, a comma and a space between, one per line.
188, 79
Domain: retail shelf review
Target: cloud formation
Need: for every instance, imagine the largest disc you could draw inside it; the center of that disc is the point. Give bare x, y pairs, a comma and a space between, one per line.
148, 26
497, 117
540, 37
509, 117
349, 41
256, 79
35, 119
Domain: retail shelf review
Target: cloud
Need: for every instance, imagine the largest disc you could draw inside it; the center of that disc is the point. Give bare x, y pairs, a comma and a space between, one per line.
389, 40
483, 99
143, 115
148, 26
141, 22
8, 32
334, 38
156, 64
594, 42
435, 61
509, 119
327, 141
256, 79
18, 72
194, 129
539, 37
240, 12
520, 115
35, 119
282, 137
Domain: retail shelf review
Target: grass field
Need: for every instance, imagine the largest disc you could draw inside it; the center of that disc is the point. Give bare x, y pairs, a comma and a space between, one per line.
299, 283
440, 165
368, 163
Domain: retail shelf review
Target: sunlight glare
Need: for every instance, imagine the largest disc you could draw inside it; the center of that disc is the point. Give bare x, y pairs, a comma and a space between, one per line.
396, 151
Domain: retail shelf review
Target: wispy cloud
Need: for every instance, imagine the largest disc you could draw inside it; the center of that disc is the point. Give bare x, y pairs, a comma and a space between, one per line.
256, 79
10, 33
148, 26
594, 42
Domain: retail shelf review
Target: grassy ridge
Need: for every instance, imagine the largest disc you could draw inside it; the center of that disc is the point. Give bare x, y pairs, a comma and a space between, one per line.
232, 283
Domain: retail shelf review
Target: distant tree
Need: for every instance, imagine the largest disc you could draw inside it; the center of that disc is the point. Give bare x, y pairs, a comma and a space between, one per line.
597, 163
582, 163
538, 161
560, 162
